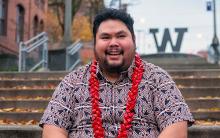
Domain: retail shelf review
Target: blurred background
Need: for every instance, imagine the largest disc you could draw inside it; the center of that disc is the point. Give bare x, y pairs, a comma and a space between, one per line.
43, 40
169, 26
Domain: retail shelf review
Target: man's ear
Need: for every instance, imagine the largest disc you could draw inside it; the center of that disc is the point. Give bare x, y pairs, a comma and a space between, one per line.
134, 40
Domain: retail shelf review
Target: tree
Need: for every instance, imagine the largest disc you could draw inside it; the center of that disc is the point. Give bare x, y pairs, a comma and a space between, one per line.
85, 11
94, 7
82, 28
58, 7
53, 27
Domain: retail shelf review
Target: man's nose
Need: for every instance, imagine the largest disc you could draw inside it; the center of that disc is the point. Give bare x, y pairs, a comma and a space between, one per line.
113, 42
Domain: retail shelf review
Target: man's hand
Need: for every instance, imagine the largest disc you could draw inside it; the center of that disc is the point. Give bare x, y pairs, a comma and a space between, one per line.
51, 131
176, 130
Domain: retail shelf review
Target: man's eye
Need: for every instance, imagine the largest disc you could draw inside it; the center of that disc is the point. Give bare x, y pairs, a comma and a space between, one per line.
121, 36
105, 37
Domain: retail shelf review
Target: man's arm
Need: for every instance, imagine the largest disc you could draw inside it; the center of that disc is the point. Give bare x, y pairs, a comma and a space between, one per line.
51, 131
176, 130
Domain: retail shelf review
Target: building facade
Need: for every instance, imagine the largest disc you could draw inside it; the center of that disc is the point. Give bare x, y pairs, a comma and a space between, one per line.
20, 20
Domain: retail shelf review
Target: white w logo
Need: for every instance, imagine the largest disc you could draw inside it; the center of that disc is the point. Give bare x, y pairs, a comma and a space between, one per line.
167, 38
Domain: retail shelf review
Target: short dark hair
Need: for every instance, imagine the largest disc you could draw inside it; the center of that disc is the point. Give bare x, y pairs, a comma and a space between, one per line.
115, 14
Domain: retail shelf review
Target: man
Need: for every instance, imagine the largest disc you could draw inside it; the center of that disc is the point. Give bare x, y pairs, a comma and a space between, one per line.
118, 95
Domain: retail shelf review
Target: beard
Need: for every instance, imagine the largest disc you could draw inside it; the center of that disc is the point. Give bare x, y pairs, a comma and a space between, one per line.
106, 65
113, 68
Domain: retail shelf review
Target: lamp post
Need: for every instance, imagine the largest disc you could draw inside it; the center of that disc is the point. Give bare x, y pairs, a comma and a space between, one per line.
67, 39
215, 41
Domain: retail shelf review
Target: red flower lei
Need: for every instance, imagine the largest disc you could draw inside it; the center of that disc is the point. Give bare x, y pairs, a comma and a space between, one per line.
98, 130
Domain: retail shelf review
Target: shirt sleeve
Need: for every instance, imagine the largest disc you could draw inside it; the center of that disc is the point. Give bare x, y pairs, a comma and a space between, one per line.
169, 104
59, 111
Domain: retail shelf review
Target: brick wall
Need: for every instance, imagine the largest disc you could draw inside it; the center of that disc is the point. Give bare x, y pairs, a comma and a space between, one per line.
32, 9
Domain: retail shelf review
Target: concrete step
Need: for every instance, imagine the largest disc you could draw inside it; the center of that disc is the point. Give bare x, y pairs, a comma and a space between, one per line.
183, 58
204, 115
186, 67
195, 104
12, 92
20, 131
197, 82
41, 83
34, 131
21, 116
178, 61
194, 92
23, 103
200, 131
196, 73
33, 75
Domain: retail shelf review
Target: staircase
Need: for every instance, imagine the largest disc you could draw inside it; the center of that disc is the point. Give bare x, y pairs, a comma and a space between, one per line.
179, 61
201, 90
24, 96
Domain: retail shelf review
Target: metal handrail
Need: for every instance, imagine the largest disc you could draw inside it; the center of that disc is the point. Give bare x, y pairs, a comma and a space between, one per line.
30, 45
72, 51
35, 37
35, 45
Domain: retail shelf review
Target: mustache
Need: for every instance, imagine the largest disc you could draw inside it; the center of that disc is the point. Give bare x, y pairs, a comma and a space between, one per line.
114, 51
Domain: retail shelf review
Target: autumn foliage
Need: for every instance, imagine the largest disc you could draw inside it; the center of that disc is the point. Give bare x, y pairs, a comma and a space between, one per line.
81, 28
52, 27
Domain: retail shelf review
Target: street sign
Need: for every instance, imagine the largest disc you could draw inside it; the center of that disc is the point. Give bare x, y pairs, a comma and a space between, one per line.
209, 5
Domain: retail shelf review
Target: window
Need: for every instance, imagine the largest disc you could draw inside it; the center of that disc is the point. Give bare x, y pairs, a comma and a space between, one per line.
3, 14
35, 26
41, 26
20, 23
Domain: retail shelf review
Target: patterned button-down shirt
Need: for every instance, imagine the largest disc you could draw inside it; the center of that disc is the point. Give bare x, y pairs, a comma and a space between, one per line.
159, 104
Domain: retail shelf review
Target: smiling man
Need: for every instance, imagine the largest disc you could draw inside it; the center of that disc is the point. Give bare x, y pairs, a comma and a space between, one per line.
114, 48
118, 94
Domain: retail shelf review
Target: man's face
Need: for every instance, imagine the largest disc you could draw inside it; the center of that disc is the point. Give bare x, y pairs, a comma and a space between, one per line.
114, 48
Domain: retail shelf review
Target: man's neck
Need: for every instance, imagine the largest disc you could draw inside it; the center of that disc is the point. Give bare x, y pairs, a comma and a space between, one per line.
112, 77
